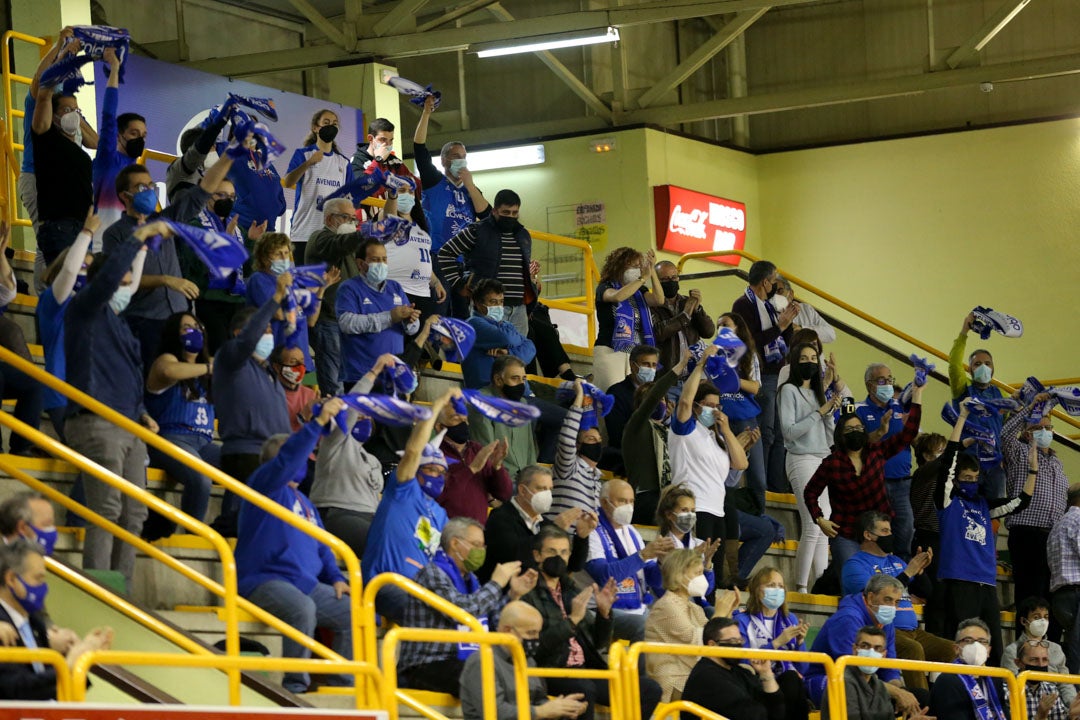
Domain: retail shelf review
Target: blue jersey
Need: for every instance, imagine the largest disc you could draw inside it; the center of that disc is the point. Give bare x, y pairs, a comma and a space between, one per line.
360, 351
260, 288
259, 195
50, 316
899, 465
449, 210
405, 532
968, 542
177, 415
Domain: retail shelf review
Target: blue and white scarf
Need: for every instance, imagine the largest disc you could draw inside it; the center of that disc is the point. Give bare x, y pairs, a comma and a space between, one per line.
622, 339
983, 696
500, 410
775, 351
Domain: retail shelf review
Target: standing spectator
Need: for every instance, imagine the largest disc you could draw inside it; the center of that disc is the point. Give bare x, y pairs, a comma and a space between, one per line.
867, 697
508, 382
103, 361
969, 696
807, 423
854, 475
680, 320
927, 448
771, 331
623, 320
1063, 551
195, 145
273, 256
677, 618
1044, 699
1033, 615
121, 143
437, 666
476, 471
644, 362
675, 518
281, 568
378, 153
495, 336
316, 170
743, 410
28, 393
808, 318
577, 477
410, 256
260, 198
968, 569
374, 314
830, 377
1029, 529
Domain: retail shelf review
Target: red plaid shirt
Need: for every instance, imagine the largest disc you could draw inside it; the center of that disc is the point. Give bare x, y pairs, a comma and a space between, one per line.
851, 495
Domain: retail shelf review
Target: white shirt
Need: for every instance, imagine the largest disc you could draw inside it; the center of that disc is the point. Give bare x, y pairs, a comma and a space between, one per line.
409, 262
699, 462
318, 181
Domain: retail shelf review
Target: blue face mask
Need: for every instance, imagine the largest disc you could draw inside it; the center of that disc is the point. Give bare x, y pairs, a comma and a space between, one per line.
1043, 438
456, 165
192, 340
405, 203
35, 596
774, 598
968, 490
432, 485
145, 202
885, 614
121, 299
707, 416
884, 393
80, 280
46, 539
496, 313
646, 374
279, 266
264, 347
868, 653
377, 272
982, 374
361, 431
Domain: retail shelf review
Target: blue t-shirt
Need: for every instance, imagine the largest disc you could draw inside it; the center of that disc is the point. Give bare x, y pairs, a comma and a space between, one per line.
862, 566
29, 104
968, 542
405, 532
899, 465
449, 210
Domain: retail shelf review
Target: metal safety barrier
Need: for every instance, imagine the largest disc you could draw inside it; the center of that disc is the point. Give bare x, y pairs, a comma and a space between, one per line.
12, 113
48, 657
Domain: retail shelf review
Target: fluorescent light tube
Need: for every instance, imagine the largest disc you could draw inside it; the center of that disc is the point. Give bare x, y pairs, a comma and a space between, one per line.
505, 158
553, 42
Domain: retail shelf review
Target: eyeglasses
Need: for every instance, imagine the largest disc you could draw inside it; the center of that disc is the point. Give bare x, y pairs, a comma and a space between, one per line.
1037, 643
883, 381
969, 641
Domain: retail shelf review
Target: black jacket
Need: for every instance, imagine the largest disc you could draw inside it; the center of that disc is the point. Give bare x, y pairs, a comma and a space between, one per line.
736, 694
593, 633
18, 681
509, 539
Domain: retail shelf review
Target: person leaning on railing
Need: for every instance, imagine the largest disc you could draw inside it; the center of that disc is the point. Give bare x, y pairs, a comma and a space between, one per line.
622, 312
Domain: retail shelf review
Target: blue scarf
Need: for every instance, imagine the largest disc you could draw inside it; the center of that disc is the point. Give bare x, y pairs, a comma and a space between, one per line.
983, 697
500, 410
466, 585
780, 623
622, 340
629, 593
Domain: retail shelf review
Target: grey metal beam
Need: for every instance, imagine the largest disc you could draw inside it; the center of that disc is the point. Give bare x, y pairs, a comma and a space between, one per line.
852, 91
451, 16
350, 24
316, 18
701, 55
519, 133
993, 25
398, 15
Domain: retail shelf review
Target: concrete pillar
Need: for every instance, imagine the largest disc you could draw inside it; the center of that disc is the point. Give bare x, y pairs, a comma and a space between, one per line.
363, 86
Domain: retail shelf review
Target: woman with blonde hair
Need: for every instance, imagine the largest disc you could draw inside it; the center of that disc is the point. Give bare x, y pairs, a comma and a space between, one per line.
622, 312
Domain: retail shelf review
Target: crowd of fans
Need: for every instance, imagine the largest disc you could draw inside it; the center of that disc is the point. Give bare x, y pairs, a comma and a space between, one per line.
513, 521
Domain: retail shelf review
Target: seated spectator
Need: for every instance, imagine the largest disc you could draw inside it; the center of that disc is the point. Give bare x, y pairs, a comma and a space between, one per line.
348, 478
288, 365
623, 319
495, 337
876, 557
273, 257
867, 696
523, 622
22, 596
284, 570
407, 523
927, 449
476, 474
1033, 615
571, 637
178, 397
508, 382
316, 169
675, 518
28, 393
512, 526
729, 688
956, 697
875, 606
1044, 699
437, 666
617, 552
679, 321
807, 318
29, 516
373, 313
577, 477
644, 361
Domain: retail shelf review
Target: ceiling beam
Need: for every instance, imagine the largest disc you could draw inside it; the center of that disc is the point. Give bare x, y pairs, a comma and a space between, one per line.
848, 92
451, 16
350, 24
398, 15
993, 25
316, 18
520, 133
702, 55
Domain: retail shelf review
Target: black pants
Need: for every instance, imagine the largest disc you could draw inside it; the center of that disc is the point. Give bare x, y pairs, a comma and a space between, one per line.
598, 691
441, 676
216, 316
726, 529
645, 503
934, 614
549, 350
1031, 571
965, 600
796, 701
350, 525
239, 467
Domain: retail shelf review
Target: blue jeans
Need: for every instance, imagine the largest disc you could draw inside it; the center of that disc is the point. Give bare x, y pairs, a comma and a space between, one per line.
196, 495
842, 550
903, 525
755, 473
55, 236
517, 316
772, 442
326, 342
29, 397
756, 534
319, 608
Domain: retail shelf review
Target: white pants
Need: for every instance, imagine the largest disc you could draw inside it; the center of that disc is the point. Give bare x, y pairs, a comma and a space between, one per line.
609, 366
813, 552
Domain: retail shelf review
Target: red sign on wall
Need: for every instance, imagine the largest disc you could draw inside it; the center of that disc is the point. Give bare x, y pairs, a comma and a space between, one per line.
688, 221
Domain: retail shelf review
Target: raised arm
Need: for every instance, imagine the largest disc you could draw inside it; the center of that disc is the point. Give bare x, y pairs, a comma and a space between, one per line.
64, 283
648, 267
958, 379
685, 409
421, 435
566, 451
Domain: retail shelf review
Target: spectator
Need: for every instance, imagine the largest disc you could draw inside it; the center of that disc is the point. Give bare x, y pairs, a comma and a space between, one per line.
408, 520
513, 525
1044, 699
179, 398
980, 385
437, 666
698, 459
22, 596
577, 477
250, 402
378, 153
288, 365
523, 622
807, 423
757, 530
315, 170
281, 568
1029, 529
103, 361
808, 318
336, 244
348, 478
876, 557
679, 321
1063, 552
373, 313
273, 256
476, 471
495, 336
928, 448
121, 143
867, 696
965, 696
623, 320
497, 247
410, 256
875, 606
727, 687
508, 382
617, 552
28, 393
771, 331
260, 197
742, 409
450, 198
570, 637
675, 518
830, 377
883, 417
1033, 615
28, 515
195, 145
854, 474
968, 569
677, 618
644, 362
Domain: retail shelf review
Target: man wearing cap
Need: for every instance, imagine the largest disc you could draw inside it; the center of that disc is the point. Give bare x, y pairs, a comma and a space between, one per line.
408, 522
494, 335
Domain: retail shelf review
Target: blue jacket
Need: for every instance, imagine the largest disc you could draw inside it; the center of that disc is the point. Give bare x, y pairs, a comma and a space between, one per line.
899, 465
491, 335
260, 288
837, 637
862, 566
269, 549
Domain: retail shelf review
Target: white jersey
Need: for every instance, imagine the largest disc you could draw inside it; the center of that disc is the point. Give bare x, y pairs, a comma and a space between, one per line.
317, 182
409, 262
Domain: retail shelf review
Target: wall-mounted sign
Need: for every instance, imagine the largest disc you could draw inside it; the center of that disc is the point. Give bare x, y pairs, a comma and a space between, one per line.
590, 221
688, 221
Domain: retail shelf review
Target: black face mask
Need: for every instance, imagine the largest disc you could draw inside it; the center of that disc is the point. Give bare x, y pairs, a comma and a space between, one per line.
772, 292
855, 440
807, 370
507, 224
531, 646
327, 133
591, 451
223, 207
671, 288
458, 433
134, 147
887, 543
514, 392
553, 566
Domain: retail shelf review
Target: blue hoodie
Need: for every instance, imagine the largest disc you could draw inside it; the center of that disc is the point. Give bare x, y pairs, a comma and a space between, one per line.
837, 637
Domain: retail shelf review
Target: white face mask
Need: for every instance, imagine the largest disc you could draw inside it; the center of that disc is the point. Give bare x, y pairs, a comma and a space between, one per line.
70, 123
698, 586
631, 275
975, 654
779, 302
1038, 628
623, 514
541, 501
345, 228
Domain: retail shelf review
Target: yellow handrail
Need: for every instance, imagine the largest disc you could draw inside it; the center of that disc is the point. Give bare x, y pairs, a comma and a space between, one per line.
11, 173
929, 349
81, 670
43, 655
673, 709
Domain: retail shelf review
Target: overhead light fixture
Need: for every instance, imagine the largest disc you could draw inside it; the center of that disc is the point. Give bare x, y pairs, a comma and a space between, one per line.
550, 42
511, 157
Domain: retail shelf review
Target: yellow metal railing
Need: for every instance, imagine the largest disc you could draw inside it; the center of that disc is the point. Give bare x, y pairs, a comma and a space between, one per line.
45, 656
928, 349
11, 113
674, 709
